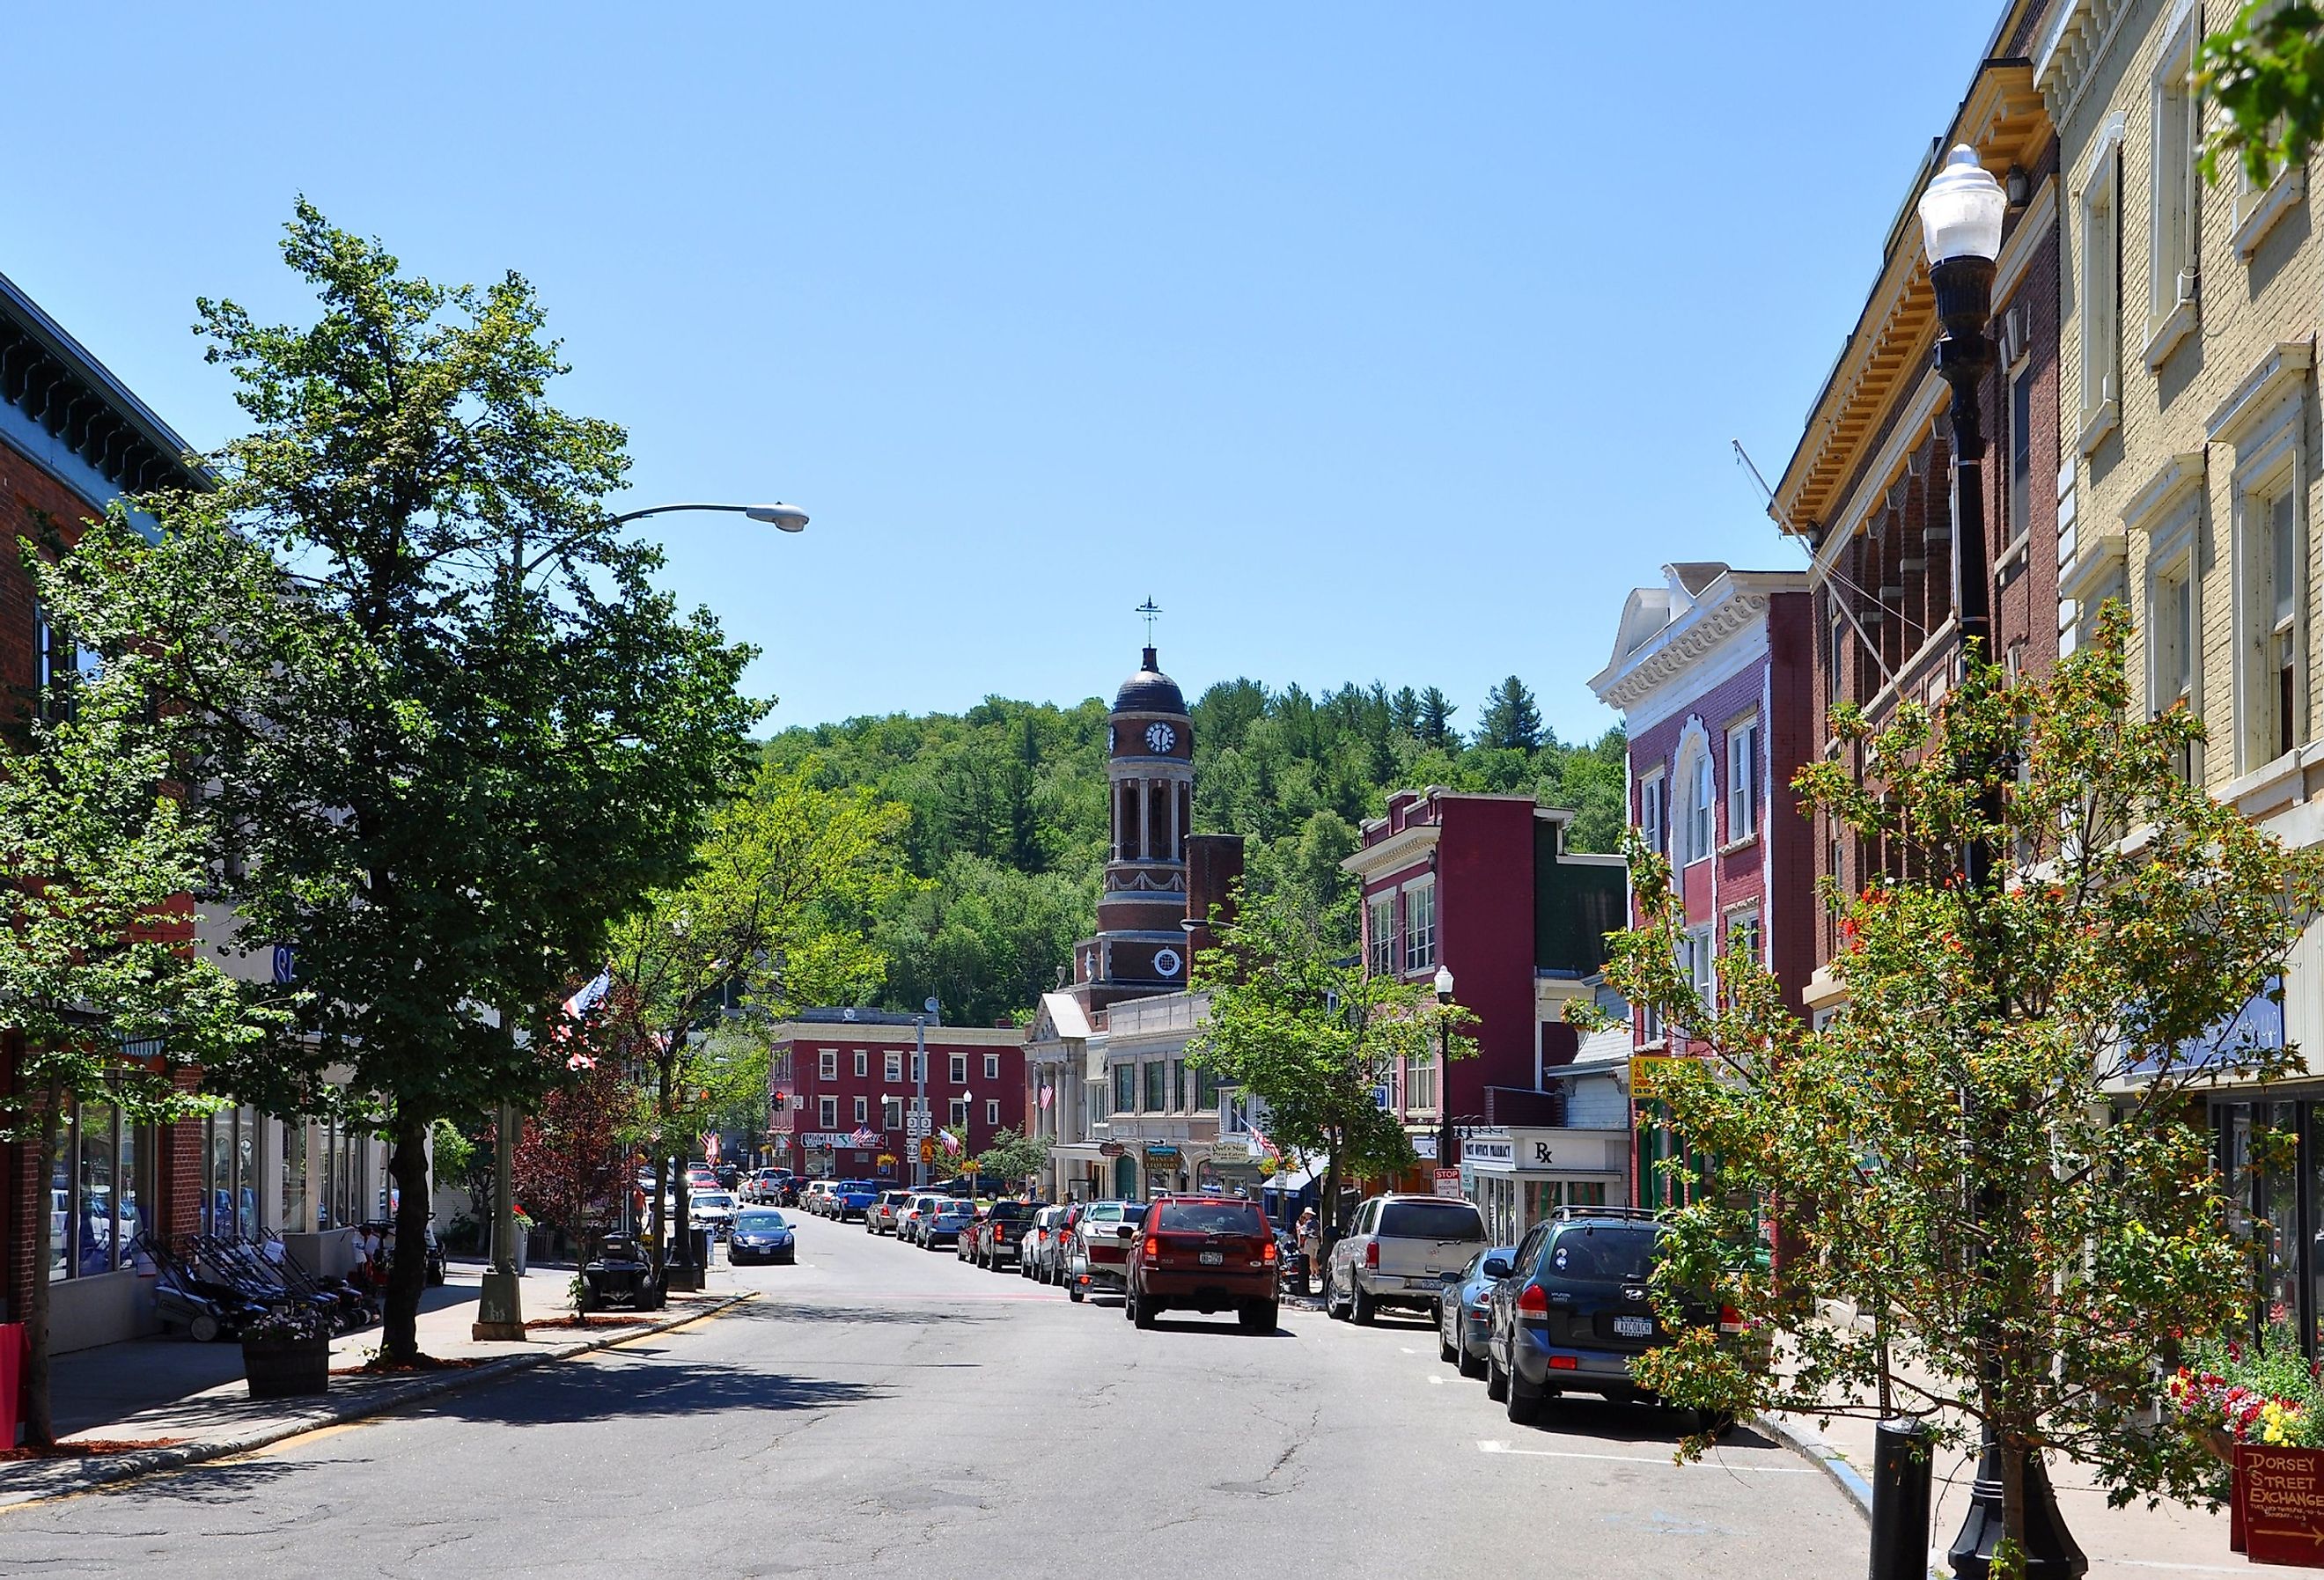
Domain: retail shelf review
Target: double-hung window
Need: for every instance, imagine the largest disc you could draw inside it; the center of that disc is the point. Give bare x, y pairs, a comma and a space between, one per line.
826, 1113
2280, 608
1653, 795
960, 1070
2175, 194
1420, 1082
894, 1064
2176, 644
827, 1063
1701, 808
1157, 1093
863, 1110
1125, 1088
959, 1113
991, 1067
891, 1114
1379, 936
1702, 961
2020, 503
2099, 222
863, 1062
1743, 780
1420, 927
993, 1111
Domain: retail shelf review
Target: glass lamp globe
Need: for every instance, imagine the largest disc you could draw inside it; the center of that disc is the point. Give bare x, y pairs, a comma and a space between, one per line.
1961, 211
1443, 982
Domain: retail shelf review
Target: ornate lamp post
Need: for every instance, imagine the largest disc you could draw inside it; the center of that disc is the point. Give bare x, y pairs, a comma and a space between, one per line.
1443, 1070
1962, 216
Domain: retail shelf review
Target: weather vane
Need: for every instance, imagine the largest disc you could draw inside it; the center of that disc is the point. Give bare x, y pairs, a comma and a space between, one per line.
1149, 609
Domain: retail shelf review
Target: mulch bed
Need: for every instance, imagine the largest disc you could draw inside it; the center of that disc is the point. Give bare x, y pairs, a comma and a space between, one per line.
400, 1368
592, 1322
88, 1447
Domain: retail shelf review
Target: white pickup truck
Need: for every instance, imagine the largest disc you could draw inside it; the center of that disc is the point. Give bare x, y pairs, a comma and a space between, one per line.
1097, 1257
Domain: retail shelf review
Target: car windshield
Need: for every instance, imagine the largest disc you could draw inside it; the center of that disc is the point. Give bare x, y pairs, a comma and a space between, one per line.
713, 1198
1587, 1253
761, 1221
1212, 1217
1116, 1211
1430, 1220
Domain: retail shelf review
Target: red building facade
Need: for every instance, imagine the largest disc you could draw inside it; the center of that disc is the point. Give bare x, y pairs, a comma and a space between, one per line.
838, 1074
1713, 672
73, 440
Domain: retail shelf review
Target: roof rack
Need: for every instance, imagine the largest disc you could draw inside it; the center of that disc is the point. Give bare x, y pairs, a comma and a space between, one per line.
1648, 1214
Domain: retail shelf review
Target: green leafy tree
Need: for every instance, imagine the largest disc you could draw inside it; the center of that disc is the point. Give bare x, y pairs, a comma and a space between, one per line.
448, 725
571, 1163
760, 923
1436, 711
2265, 72
1512, 720
1997, 1147
1011, 1157
1302, 1027
96, 954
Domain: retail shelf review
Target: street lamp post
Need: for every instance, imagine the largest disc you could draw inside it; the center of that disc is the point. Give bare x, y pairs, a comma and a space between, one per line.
1961, 214
1444, 1068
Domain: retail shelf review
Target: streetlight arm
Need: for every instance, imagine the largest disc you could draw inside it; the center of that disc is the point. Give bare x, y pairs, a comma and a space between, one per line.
787, 517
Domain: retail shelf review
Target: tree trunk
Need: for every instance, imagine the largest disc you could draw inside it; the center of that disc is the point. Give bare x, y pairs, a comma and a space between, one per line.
407, 1270
39, 1419
2013, 1505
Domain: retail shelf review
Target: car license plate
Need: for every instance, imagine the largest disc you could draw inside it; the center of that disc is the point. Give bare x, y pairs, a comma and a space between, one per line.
1634, 1327
1212, 1258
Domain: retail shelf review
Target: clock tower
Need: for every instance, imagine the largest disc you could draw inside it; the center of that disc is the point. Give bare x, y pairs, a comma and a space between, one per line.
1141, 945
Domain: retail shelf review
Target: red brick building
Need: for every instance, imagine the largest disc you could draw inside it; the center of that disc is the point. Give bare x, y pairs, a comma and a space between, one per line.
1483, 886
838, 1072
1869, 487
73, 440
1712, 671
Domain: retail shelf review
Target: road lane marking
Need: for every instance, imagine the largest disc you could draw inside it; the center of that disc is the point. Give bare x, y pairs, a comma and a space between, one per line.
1439, 1381
1491, 1445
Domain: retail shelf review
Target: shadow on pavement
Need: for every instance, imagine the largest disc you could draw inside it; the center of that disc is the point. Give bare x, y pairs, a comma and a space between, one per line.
779, 1310
553, 1396
1584, 1415
223, 1480
1225, 1326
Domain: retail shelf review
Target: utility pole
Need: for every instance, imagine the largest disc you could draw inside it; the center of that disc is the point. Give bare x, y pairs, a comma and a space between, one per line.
919, 1119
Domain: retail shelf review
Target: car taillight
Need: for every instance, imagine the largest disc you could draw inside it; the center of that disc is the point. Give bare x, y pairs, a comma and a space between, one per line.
1731, 1320
1153, 1247
1372, 1253
1267, 1252
1565, 1363
1533, 1301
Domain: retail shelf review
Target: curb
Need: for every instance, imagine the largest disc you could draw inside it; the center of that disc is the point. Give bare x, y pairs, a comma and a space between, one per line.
99, 1473
1810, 1445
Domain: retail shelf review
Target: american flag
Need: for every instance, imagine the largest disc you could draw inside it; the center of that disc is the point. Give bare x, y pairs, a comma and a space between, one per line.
591, 994
1259, 1138
1048, 1094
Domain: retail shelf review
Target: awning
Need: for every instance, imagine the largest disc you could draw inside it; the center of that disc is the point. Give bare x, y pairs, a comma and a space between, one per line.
1079, 1152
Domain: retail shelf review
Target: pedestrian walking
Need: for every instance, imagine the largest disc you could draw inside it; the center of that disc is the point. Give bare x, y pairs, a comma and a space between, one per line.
1307, 1248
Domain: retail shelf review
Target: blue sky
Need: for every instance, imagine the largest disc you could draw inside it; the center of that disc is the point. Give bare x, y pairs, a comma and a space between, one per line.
1372, 341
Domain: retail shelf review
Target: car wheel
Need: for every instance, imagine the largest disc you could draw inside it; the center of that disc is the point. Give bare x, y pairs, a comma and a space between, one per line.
1261, 1318
1073, 1290
1446, 1350
1471, 1365
1144, 1313
1360, 1309
1332, 1306
1496, 1381
1524, 1409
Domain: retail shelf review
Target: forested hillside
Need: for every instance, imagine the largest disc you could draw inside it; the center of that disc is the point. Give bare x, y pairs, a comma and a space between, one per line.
1007, 830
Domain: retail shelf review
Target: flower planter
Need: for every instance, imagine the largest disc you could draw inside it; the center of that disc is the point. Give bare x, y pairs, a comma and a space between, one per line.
286, 1368
2276, 1508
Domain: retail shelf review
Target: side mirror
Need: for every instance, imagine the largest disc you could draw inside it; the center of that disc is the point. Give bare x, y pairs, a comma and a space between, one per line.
1495, 1268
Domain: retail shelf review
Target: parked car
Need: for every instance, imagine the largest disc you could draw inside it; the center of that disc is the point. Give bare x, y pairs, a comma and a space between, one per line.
852, 1198
1099, 1250
1205, 1253
1464, 1310
713, 1210
698, 1178
994, 1245
1397, 1252
886, 1214
943, 1224
812, 1196
761, 1235
916, 1214
1576, 1310
764, 1185
1036, 1247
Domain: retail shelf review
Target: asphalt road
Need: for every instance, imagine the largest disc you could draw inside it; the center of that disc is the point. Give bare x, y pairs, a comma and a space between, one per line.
879, 1410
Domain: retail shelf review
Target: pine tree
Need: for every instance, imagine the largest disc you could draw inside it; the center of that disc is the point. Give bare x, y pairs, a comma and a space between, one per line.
1512, 720
1436, 711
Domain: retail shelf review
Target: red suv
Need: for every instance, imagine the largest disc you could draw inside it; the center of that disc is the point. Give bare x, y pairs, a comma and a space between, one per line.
1207, 1253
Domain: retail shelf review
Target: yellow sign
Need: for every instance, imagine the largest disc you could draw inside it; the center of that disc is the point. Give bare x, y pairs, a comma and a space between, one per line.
928, 1151
1643, 1070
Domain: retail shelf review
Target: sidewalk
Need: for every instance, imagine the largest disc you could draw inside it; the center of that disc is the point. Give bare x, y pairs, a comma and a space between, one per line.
172, 1388
2134, 1543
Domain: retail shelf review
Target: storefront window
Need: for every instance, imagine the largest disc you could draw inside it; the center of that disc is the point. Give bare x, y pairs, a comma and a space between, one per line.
95, 1200
292, 1218
132, 1161
245, 1173
2276, 1210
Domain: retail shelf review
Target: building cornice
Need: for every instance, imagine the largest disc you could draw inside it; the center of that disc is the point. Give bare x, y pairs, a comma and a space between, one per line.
1396, 852
1733, 603
2275, 375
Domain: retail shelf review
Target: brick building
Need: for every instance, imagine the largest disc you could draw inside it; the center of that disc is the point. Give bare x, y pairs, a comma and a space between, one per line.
1868, 489
2190, 490
73, 440
1483, 886
1712, 671
838, 1072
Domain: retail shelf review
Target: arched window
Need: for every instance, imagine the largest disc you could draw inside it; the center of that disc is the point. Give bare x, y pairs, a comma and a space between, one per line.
1698, 812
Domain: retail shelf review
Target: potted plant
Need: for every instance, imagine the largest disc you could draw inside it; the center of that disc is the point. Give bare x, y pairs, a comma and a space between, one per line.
2260, 1411
286, 1354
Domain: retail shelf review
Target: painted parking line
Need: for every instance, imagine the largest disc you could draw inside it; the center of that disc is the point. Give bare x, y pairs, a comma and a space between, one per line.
1493, 1445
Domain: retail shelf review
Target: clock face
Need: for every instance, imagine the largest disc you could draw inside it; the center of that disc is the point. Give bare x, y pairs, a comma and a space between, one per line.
1161, 737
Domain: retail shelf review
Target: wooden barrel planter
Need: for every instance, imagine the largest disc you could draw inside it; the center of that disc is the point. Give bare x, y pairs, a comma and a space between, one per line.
286, 1368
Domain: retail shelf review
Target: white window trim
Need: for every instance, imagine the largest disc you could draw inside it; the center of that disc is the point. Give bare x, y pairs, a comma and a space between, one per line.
1404, 899
2098, 294
1653, 789
2172, 278
892, 1064
1743, 809
827, 1064
2272, 466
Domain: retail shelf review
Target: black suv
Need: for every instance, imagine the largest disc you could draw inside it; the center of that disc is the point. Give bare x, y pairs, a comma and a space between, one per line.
1576, 1309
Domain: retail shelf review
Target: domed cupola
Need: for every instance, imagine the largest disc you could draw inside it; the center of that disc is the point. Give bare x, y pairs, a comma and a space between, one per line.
1149, 691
